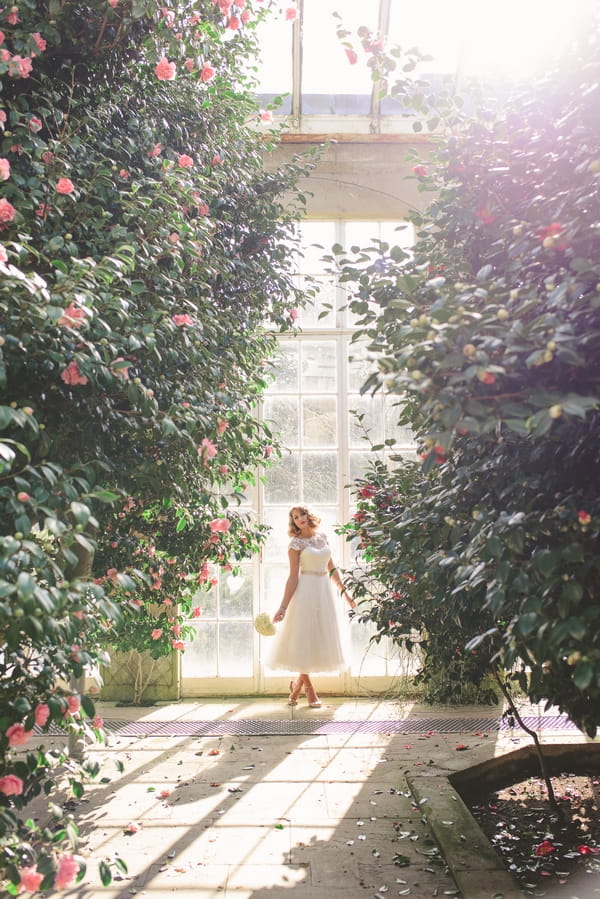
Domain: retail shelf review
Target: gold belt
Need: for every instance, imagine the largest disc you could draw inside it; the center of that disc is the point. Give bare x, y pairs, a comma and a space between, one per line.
319, 573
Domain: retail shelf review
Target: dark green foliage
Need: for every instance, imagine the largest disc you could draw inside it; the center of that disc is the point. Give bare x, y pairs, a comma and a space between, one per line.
490, 336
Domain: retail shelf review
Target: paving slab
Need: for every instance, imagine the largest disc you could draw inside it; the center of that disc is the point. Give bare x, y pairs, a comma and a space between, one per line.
277, 814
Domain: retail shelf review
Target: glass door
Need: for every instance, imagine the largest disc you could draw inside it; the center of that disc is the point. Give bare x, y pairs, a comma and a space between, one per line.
312, 403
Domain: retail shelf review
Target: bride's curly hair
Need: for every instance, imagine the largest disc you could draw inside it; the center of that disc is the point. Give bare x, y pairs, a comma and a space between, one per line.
313, 520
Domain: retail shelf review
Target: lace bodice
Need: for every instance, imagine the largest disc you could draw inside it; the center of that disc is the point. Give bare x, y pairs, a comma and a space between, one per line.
318, 541
314, 553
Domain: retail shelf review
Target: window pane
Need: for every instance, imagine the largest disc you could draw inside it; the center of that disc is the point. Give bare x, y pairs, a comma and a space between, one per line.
370, 425
282, 414
404, 436
236, 642
200, 658
285, 370
359, 464
236, 595
283, 481
275, 578
320, 479
319, 373
317, 239
277, 542
317, 315
319, 421
274, 63
207, 600
330, 84
359, 367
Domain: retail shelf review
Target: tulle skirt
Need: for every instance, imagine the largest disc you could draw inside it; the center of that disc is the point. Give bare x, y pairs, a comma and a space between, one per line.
309, 639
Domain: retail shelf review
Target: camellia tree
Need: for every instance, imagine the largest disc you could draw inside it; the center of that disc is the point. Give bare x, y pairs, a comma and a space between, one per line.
487, 549
145, 270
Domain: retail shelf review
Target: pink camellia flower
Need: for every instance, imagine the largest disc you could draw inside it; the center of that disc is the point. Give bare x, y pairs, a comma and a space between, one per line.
544, 848
185, 161
155, 151
266, 116
352, 56
173, 237
3, 255
224, 470
165, 70
35, 124
47, 155
291, 13
64, 186
97, 721
4, 169
20, 67
13, 16
268, 451
216, 160
233, 23
123, 173
245, 16
182, 320
71, 375
23, 497
190, 64
219, 525
207, 450
30, 879
156, 633
176, 629
17, 735
178, 644
42, 713
72, 317
38, 40
207, 73
584, 517
222, 426
66, 872
2, 36
113, 3
294, 314
7, 211
73, 703
118, 370
11, 785
419, 170
196, 612
485, 214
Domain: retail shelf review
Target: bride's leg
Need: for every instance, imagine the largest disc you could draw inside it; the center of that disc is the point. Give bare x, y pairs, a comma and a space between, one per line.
311, 694
296, 689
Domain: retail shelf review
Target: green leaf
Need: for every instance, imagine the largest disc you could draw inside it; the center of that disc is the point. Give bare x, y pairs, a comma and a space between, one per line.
583, 674
105, 873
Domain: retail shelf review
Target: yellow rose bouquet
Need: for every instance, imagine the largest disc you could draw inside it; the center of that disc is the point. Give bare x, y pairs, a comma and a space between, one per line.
264, 625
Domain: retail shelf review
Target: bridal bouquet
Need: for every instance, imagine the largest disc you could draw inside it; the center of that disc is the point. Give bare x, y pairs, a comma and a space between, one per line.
264, 625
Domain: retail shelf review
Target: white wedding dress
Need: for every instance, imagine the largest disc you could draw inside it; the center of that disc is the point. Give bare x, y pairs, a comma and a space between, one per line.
309, 638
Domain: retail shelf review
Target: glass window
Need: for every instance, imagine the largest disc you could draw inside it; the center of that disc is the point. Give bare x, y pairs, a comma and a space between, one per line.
274, 67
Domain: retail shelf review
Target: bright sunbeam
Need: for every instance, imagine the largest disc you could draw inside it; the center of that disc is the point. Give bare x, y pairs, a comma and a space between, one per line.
515, 38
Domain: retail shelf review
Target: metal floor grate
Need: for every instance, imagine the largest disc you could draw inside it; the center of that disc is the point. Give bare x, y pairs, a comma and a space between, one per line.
321, 726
